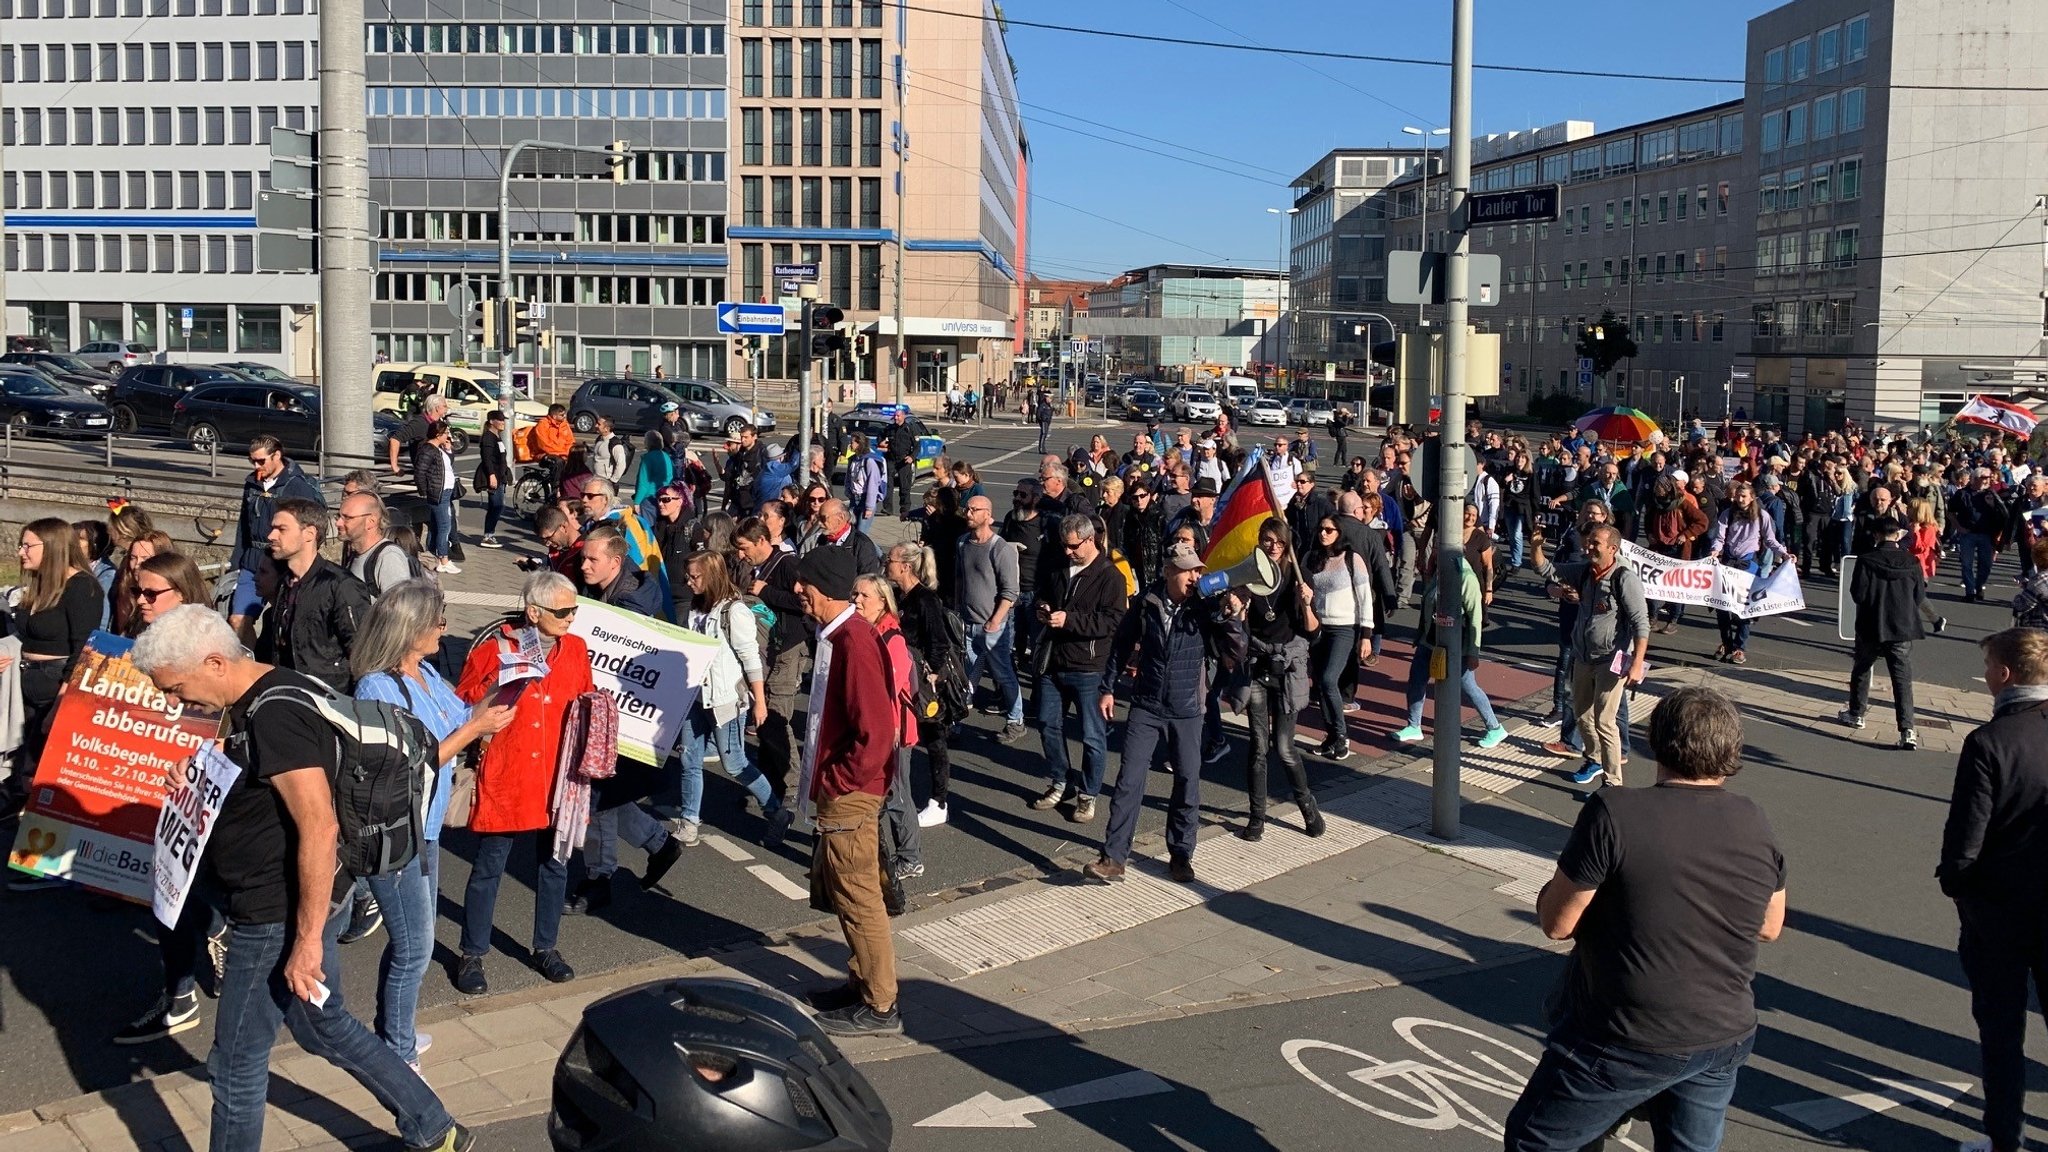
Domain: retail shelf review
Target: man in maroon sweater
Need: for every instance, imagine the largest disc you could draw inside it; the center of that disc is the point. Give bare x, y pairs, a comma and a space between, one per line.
848, 752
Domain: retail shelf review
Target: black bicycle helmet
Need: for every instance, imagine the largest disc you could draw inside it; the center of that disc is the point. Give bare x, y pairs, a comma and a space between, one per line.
701, 1064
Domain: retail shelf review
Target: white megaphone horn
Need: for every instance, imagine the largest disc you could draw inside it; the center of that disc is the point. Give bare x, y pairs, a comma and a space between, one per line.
1254, 574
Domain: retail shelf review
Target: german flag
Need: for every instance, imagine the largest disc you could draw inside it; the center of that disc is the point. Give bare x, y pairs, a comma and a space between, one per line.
1248, 503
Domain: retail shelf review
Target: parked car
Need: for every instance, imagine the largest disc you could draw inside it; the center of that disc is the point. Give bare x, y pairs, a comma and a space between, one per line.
26, 343
1267, 412
874, 422
255, 371
1143, 404
142, 396
633, 405
65, 369
1310, 411
115, 354
710, 410
229, 413
30, 402
1195, 404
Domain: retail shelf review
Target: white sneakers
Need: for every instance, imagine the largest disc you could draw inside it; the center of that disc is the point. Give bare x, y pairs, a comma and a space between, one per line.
932, 815
448, 568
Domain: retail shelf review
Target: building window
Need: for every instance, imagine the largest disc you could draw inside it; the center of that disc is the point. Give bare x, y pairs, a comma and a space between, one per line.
1607, 273
750, 201
1846, 240
1795, 125
870, 202
750, 136
1852, 109
1823, 116
1849, 178
750, 67
1731, 134
1829, 49
1610, 215
1663, 207
813, 189
871, 138
842, 69
784, 67
871, 69
258, 328
1816, 247
813, 138
1774, 131
871, 13
842, 202
813, 59
1767, 255
1790, 192
870, 278
842, 137
780, 130
750, 13
782, 215
842, 13
1857, 39
1799, 59
784, 13
1774, 69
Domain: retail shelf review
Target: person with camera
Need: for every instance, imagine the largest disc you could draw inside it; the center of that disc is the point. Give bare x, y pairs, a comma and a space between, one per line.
1277, 625
1168, 635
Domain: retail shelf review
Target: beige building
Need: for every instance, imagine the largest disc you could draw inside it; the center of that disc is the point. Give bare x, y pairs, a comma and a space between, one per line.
826, 94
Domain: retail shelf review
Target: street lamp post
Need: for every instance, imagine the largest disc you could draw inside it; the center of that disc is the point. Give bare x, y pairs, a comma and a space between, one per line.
1421, 310
1286, 290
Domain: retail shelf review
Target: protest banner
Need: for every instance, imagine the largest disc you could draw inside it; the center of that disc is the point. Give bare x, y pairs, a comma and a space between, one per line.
651, 668
1711, 584
115, 745
190, 810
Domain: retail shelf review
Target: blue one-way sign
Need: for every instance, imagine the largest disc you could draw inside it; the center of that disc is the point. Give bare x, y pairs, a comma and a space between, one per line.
738, 318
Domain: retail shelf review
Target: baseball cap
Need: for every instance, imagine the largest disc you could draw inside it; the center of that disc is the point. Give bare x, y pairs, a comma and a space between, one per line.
1183, 558
1679, 474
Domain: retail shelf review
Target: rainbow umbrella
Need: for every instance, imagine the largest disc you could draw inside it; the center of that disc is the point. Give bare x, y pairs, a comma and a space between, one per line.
1618, 425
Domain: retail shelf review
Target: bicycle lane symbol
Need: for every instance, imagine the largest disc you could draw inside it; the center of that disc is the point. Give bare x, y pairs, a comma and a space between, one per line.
1432, 1095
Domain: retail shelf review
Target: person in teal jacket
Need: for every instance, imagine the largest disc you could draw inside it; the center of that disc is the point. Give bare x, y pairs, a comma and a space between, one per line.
1425, 650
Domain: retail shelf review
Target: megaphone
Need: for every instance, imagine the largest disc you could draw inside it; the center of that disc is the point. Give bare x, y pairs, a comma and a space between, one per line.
1255, 574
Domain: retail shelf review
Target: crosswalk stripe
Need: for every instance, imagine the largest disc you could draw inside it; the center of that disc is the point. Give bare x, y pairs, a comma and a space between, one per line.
779, 882
728, 849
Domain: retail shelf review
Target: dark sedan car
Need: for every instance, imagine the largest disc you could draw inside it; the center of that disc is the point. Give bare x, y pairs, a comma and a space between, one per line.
1143, 404
229, 414
144, 395
633, 405
66, 369
30, 402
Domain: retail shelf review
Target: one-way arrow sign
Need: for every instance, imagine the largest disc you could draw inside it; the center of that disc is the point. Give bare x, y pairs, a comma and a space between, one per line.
990, 1111
1831, 1112
737, 318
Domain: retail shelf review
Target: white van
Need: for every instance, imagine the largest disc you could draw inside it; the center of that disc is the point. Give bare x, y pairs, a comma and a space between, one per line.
1239, 391
472, 395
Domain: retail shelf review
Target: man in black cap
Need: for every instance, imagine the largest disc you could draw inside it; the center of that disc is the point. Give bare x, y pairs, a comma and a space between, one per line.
1200, 510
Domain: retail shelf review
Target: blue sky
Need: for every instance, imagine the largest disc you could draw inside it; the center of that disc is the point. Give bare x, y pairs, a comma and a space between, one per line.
1102, 206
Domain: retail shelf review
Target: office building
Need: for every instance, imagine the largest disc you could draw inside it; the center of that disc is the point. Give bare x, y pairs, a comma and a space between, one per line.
826, 94
1337, 256
1242, 303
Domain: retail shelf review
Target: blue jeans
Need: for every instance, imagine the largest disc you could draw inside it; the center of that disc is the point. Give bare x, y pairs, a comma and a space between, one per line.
254, 1000
1516, 534
1581, 1089
480, 899
1975, 549
1734, 626
1148, 739
997, 650
896, 824
1418, 680
494, 509
408, 907
443, 512
628, 822
1083, 690
730, 737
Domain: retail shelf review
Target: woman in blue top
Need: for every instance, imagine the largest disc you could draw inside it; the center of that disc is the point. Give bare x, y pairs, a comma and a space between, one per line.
392, 663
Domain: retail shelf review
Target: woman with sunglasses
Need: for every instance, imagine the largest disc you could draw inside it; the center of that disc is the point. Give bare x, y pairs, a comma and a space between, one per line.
60, 607
1342, 581
127, 616
1277, 628
161, 582
393, 662
515, 775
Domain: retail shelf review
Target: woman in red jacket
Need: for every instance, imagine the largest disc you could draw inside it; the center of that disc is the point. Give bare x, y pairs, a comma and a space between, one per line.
516, 774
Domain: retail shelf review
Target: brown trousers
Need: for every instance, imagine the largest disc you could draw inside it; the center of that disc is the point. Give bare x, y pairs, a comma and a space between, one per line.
849, 857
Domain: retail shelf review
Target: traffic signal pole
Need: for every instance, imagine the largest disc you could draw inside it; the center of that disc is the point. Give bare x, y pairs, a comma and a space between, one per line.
1445, 799
803, 394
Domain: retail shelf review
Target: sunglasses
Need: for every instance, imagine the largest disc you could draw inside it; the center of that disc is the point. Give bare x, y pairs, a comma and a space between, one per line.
568, 613
668, 500
149, 595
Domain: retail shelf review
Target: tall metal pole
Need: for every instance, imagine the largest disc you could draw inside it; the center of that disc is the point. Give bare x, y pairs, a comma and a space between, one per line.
900, 355
346, 263
1450, 495
803, 389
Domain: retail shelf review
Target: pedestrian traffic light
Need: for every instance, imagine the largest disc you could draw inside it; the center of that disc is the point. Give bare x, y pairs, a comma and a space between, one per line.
520, 320
863, 344
826, 338
484, 322
621, 162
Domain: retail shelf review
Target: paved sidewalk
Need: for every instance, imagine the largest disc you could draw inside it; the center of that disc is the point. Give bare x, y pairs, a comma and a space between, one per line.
1374, 902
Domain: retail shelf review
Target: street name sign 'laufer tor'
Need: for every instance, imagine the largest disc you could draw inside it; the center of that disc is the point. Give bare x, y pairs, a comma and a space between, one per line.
1538, 203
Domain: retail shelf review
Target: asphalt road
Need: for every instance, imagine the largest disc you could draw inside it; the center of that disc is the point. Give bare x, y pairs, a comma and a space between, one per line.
1864, 985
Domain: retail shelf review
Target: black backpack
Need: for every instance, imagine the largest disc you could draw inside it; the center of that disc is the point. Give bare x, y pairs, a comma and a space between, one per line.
413, 569
384, 773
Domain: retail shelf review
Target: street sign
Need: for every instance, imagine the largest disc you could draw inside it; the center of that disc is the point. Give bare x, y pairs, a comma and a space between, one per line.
286, 252
184, 319
1418, 278
537, 310
736, 318
284, 212
792, 287
294, 159
1538, 203
1586, 365
461, 299
796, 272
1585, 379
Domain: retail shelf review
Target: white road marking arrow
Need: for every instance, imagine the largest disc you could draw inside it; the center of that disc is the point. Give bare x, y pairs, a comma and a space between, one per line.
990, 1111
1831, 1112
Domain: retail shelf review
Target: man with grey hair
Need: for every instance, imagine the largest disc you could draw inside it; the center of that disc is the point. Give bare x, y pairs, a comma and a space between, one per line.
1080, 603
272, 859
416, 428
837, 531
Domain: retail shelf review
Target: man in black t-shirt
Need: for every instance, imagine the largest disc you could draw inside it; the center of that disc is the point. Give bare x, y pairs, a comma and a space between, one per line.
270, 864
1667, 891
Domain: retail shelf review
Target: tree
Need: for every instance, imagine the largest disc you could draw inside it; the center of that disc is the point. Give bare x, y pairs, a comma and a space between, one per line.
1606, 343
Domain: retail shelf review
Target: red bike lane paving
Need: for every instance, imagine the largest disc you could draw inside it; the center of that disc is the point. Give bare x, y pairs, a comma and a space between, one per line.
1383, 690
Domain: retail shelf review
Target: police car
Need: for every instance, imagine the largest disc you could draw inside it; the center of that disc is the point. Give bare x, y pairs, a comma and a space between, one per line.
875, 421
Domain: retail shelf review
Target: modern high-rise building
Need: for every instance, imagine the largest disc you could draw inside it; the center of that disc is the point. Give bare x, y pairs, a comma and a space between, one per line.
1337, 254
1244, 303
884, 145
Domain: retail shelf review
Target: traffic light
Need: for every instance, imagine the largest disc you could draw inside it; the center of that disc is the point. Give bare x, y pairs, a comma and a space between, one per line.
621, 162
862, 345
521, 320
484, 322
826, 338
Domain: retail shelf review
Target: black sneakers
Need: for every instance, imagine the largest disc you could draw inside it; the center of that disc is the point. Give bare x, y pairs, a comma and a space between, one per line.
661, 860
363, 922
860, 1020
169, 1016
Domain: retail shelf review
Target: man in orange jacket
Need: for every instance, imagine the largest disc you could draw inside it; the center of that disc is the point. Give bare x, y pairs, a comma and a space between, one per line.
552, 439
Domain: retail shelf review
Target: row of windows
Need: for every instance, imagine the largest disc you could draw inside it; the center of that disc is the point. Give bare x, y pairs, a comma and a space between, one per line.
838, 281
82, 252
802, 202
806, 128
159, 190
1648, 327
132, 9
675, 291
1787, 318
1662, 208
1793, 126
162, 61
783, 13
256, 327
1648, 269
1815, 184
148, 126
551, 103
1819, 248
1657, 148
589, 227
1823, 52
790, 59
546, 39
